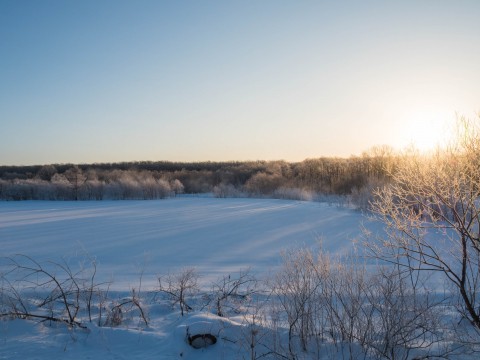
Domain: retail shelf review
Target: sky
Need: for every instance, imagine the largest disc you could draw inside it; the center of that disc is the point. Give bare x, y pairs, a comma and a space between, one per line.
113, 80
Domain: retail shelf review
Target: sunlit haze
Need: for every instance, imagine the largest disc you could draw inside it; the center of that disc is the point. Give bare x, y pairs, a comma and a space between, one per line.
106, 81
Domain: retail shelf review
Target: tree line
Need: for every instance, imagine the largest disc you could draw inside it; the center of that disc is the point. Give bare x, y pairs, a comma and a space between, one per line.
303, 180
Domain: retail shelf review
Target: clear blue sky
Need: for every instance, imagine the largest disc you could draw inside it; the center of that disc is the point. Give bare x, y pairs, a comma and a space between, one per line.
104, 81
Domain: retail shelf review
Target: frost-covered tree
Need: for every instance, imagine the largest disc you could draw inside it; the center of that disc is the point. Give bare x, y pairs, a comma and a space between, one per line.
76, 178
432, 215
46, 172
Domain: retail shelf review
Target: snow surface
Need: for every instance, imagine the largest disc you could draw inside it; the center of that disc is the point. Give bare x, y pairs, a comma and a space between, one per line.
216, 236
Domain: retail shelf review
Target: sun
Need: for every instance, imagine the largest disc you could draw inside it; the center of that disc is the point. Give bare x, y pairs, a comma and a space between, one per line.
424, 130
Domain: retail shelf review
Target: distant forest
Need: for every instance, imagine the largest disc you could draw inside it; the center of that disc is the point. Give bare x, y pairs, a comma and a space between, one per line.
311, 179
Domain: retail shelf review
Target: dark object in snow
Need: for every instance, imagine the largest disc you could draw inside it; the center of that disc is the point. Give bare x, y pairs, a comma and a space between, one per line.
200, 341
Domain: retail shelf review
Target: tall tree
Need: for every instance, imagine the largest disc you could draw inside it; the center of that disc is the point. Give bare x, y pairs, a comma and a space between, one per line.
432, 214
76, 178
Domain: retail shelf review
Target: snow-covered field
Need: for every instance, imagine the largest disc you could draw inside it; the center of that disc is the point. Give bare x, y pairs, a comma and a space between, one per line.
216, 236
128, 238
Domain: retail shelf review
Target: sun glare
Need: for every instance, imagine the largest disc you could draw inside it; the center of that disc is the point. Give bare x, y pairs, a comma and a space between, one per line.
424, 130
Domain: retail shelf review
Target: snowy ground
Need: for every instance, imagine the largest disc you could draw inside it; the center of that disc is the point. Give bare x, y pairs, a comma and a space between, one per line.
216, 236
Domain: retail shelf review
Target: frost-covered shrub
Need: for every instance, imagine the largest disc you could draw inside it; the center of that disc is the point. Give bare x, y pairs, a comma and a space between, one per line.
92, 190
227, 191
177, 187
294, 194
112, 191
180, 287
363, 197
263, 183
114, 316
62, 187
324, 300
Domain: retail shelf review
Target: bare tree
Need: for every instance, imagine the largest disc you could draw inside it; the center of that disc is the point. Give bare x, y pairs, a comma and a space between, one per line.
179, 287
233, 290
296, 286
259, 333
46, 172
76, 178
432, 215
405, 316
56, 290
349, 317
